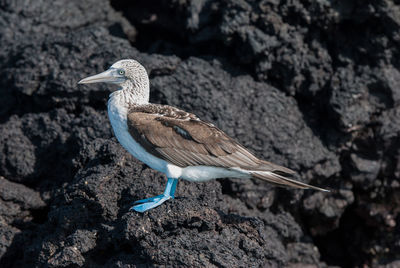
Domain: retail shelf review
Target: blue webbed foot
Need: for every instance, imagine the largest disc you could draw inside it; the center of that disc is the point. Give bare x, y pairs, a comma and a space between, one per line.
152, 202
149, 203
154, 198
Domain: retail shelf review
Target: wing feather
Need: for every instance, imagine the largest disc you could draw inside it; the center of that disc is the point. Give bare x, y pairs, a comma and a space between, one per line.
184, 140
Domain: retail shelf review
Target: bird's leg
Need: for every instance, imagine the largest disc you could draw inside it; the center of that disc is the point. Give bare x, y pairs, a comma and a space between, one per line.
152, 202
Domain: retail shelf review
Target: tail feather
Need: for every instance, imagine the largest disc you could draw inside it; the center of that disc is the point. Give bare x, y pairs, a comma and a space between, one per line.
268, 166
282, 179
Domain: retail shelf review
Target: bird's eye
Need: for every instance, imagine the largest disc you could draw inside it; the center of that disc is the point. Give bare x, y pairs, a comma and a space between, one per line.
121, 72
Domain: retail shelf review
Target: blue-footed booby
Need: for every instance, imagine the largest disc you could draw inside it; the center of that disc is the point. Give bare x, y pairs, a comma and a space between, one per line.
175, 142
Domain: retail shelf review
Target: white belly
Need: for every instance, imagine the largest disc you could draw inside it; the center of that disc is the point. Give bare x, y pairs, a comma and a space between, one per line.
205, 173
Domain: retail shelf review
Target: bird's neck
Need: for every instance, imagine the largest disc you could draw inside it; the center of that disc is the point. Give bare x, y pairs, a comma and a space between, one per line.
133, 93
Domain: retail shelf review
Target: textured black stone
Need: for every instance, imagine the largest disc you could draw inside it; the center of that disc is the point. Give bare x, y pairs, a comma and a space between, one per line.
312, 85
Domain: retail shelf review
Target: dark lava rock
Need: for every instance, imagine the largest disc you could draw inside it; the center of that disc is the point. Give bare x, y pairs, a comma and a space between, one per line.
309, 85
19, 206
89, 222
37, 146
37, 39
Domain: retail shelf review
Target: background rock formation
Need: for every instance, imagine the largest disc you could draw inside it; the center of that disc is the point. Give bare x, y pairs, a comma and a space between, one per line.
312, 85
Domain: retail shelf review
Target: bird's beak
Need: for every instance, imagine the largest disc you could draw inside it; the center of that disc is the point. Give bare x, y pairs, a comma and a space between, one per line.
109, 76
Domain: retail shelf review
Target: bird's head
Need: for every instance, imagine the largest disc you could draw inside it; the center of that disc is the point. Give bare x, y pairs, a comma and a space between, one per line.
126, 73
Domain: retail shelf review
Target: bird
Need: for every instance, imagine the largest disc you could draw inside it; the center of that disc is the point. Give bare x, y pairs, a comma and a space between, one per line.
175, 142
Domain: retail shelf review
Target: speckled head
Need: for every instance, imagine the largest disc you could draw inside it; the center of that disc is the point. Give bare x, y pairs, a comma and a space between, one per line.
131, 71
129, 74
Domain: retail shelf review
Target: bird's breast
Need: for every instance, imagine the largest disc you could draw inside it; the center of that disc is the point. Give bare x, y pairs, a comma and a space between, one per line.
117, 114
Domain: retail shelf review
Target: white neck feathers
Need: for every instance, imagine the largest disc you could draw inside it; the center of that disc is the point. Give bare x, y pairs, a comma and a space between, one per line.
133, 92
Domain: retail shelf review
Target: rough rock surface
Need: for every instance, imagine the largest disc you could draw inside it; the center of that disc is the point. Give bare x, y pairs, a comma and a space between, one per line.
312, 85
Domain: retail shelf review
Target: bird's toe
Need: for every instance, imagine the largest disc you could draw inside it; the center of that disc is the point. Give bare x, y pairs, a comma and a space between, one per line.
151, 199
149, 203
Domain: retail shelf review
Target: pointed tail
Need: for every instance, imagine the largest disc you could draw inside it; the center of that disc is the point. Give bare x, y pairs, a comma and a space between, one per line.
282, 179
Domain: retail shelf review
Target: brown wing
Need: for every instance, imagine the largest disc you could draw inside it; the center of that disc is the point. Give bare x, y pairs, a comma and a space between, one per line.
184, 140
